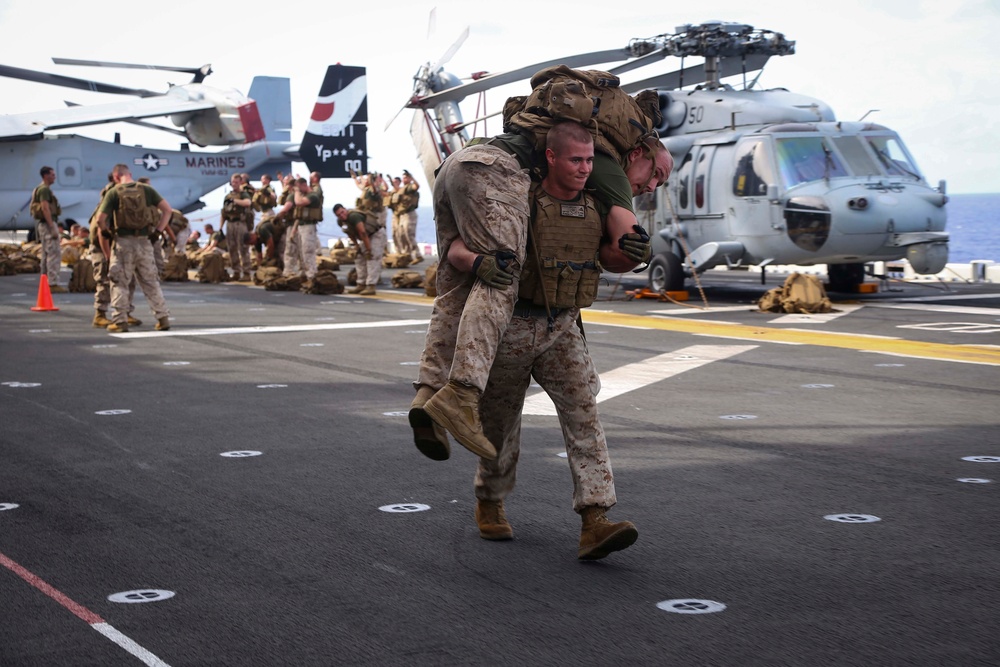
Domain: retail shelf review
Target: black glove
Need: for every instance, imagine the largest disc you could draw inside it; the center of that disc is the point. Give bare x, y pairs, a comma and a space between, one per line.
491, 269
636, 246
154, 236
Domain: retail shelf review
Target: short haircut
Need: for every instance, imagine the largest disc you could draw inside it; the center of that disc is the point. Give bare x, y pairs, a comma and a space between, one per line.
121, 169
337, 207
561, 134
45, 171
302, 181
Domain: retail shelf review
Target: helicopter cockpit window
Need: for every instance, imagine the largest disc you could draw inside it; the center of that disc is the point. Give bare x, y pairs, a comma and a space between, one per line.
893, 156
805, 159
858, 160
753, 170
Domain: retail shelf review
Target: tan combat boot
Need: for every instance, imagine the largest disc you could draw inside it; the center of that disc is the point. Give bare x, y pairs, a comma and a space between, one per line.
369, 290
492, 520
134, 321
101, 320
357, 289
430, 439
599, 537
163, 324
118, 327
58, 289
456, 408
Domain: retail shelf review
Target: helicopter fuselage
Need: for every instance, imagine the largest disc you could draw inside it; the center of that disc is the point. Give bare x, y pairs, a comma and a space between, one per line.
769, 177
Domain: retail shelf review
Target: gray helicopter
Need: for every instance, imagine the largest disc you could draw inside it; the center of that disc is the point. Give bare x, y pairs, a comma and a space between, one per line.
255, 129
762, 177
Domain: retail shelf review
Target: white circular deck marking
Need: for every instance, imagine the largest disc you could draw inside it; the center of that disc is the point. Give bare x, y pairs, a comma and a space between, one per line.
852, 518
39, 330
737, 417
975, 480
112, 412
409, 363
23, 385
176, 363
142, 595
563, 455
982, 459
395, 414
8, 506
691, 606
818, 386
311, 345
405, 507
19, 294
889, 365
103, 347
242, 454
271, 386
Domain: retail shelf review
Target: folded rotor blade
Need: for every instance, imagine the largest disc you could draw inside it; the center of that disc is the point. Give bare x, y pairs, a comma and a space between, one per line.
491, 81
695, 75
199, 73
71, 82
452, 50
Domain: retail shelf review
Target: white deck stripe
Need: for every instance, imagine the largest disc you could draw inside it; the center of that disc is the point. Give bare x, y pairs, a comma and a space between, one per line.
644, 373
226, 331
964, 310
126, 643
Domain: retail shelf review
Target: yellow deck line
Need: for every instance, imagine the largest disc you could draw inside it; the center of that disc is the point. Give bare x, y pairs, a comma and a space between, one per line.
902, 347
970, 354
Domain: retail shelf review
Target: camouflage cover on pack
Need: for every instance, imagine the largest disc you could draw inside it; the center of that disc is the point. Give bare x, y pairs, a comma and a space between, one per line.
82, 279
407, 279
396, 260
324, 282
801, 293
133, 212
593, 98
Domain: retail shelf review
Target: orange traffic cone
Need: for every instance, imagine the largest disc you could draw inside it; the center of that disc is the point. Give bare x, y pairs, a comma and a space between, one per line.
44, 295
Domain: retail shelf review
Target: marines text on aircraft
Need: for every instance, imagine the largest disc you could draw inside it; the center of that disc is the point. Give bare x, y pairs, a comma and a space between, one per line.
762, 177
257, 135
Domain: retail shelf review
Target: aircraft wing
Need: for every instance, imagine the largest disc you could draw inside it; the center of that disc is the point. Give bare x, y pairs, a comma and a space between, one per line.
33, 124
501, 78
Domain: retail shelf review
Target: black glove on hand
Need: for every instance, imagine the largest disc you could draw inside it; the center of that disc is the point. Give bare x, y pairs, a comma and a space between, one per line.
636, 246
490, 269
154, 236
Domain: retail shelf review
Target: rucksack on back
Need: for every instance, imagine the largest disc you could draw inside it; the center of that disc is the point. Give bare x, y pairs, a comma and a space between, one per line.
133, 212
592, 98
82, 279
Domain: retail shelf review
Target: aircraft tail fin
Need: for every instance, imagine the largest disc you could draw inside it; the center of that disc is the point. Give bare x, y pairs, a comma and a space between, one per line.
274, 103
335, 143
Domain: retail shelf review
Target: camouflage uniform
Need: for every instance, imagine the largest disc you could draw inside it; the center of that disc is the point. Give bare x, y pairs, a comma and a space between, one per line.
559, 361
131, 262
236, 231
51, 252
481, 194
370, 270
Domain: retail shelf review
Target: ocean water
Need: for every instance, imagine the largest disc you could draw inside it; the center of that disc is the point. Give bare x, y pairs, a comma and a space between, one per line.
974, 227
973, 223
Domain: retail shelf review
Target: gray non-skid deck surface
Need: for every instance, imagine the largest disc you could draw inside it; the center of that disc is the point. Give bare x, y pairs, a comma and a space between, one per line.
286, 558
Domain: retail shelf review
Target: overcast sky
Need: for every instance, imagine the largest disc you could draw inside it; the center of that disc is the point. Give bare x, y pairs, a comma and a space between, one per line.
929, 67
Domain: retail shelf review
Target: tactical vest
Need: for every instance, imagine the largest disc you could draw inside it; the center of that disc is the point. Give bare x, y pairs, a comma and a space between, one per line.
94, 228
564, 241
594, 99
177, 221
372, 223
36, 206
231, 212
264, 199
308, 214
370, 200
133, 212
408, 199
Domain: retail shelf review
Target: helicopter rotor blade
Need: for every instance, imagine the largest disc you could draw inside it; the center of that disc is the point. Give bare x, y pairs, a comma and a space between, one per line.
696, 75
492, 80
199, 73
642, 61
451, 51
71, 82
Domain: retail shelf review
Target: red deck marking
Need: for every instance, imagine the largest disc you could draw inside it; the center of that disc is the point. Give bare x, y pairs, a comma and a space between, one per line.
79, 610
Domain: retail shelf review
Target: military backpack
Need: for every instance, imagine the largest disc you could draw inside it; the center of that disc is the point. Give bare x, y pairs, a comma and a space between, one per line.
133, 211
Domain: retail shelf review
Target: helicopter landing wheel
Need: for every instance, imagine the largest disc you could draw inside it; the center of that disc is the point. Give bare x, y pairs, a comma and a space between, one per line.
666, 273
